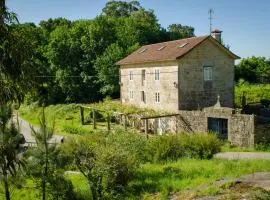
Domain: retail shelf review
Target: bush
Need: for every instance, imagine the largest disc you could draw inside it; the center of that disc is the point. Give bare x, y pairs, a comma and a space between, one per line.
73, 129
173, 147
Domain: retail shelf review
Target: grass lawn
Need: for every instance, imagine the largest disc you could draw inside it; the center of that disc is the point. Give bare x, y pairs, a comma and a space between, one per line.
67, 116
158, 180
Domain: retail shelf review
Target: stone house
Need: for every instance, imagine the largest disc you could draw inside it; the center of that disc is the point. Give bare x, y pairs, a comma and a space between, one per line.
193, 78
184, 74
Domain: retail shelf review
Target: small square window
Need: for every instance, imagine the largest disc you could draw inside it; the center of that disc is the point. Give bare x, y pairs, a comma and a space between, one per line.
207, 73
157, 72
157, 97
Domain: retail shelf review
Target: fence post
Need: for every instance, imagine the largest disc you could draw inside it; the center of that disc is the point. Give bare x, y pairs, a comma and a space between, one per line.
94, 119
82, 114
146, 128
109, 122
125, 121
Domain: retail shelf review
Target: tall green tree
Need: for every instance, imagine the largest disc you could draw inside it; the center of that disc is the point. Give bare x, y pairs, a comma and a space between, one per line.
10, 139
253, 69
178, 31
44, 164
120, 8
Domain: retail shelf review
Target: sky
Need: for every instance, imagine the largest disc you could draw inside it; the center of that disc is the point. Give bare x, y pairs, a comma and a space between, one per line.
245, 23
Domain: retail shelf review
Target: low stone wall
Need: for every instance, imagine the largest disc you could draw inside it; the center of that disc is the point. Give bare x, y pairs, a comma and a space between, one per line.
240, 126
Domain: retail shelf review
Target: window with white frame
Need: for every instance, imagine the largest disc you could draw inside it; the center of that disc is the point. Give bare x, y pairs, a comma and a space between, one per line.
157, 97
131, 95
131, 74
143, 97
207, 73
157, 73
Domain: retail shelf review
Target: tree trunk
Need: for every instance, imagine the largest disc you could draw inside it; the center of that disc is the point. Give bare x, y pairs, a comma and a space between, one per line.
5, 179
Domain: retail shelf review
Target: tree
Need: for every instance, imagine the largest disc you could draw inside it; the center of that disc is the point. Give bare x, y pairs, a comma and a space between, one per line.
178, 31
16, 59
253, 70
10, 139
108, 71
44, 162
120, 8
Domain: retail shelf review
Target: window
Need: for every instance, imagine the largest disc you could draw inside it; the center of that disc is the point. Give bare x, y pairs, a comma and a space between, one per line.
143, 50
143, 76
157, 72
207, 73
143, 97
157, 97
131, 75
131, 94
160, 48
182, 45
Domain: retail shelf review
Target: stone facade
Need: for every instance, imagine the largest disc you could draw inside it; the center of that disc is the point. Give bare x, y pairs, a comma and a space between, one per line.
193, 90
181, 84
241, 129
131, 90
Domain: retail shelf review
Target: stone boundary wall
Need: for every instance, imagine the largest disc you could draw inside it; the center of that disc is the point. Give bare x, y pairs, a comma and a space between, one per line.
240, 126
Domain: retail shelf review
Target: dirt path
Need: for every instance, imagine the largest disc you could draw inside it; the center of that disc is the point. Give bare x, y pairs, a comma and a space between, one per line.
24, 128
243, 155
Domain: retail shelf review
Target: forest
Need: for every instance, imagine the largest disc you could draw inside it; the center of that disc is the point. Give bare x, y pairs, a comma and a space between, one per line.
74, 61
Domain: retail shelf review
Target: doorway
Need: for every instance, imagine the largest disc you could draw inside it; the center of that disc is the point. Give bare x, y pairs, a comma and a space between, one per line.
219, 126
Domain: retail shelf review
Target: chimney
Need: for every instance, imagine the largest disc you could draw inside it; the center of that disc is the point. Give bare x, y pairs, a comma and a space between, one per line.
216, 34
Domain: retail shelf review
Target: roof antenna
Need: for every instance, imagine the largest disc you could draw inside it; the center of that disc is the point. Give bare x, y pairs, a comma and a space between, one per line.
211, 12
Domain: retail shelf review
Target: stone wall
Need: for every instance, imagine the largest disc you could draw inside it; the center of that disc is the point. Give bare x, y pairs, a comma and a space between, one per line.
241, 127
193, 93
164, 86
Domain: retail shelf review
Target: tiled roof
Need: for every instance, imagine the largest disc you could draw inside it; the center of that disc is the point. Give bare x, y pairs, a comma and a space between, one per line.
164, 51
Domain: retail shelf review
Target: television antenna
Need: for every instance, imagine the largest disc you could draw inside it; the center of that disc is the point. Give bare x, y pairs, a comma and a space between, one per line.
211, 13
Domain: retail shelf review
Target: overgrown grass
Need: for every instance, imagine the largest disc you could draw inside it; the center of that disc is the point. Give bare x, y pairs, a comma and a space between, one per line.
253, 93
162, 179
67, 116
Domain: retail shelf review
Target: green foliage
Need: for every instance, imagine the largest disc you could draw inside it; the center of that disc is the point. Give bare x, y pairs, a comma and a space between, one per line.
253, 93
263, 145
76, 61
173, 147
177, 31
154, 179
10, 161
44, 165
253, 70
120, 8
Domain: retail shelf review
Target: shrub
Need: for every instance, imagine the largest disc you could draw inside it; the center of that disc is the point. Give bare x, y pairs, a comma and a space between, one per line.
202, 146
173, 147
73, 129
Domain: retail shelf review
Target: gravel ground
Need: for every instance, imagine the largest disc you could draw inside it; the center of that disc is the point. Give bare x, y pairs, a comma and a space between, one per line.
243, 155
24, 128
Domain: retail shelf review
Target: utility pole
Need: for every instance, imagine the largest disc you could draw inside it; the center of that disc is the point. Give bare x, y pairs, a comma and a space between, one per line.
211, 12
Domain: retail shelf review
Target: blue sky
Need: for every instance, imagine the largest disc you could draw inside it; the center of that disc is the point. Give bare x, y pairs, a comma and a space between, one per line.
245, 23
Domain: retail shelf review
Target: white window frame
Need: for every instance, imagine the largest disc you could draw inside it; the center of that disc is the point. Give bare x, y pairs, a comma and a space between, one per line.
207, 73
157, 97
131, 95
131, 75
157, 74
